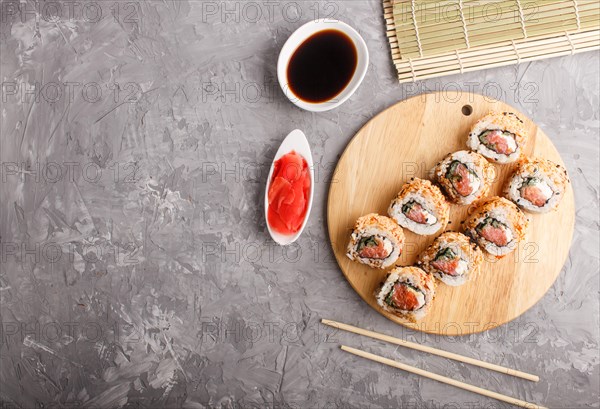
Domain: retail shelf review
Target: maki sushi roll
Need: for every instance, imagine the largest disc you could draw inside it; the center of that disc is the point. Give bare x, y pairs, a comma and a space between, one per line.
407, 292
452, 258
499, 136
497, 226
420, 207
537, 185
464, 176
375, 241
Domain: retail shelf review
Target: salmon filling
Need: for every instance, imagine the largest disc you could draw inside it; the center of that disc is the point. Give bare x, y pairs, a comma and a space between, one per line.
463, 179
450, 263
374, 247
536, 191
501, 142
495, 232
404, 296
417, 213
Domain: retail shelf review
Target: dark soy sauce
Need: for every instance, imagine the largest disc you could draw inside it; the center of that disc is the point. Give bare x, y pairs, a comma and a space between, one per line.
322, 66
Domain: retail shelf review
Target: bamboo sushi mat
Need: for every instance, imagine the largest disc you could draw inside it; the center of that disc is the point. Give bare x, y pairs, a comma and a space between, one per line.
433, 38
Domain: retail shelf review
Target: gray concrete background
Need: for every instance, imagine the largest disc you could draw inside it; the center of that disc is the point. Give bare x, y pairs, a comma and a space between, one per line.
136, 266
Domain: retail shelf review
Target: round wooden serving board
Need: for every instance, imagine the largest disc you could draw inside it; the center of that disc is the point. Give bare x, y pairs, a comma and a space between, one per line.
406, 141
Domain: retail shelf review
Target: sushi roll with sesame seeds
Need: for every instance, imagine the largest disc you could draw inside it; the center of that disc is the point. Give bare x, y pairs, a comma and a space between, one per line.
452, 258
464, 176
499, 136
407, 293
497, 226
375, 241
420, 207
537, 185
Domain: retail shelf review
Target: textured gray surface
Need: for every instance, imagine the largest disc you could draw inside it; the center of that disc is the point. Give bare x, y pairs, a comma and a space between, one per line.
136, 267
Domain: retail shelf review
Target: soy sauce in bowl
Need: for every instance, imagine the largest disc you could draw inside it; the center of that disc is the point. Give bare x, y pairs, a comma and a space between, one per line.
322, 66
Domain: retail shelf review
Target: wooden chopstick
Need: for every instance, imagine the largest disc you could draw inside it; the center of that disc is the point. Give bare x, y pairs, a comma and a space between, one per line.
443, 379
430, 350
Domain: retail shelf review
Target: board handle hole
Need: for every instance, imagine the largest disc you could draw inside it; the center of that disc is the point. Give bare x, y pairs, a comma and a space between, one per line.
467, 110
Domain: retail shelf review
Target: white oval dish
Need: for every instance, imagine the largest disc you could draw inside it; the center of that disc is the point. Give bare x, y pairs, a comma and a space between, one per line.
295, 141
301, 35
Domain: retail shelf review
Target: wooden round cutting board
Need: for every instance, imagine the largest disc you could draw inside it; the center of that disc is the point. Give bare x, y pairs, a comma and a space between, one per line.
406, 141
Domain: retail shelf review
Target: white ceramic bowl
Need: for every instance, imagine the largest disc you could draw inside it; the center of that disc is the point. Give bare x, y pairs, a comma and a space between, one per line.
301, 35
295, 141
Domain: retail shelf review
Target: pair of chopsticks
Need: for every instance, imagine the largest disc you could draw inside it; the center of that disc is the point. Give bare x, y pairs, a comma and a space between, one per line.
439, 352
